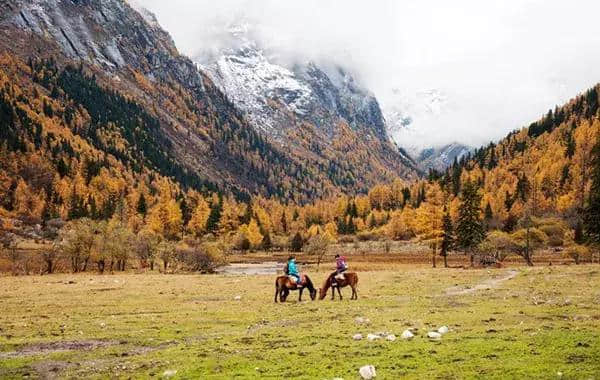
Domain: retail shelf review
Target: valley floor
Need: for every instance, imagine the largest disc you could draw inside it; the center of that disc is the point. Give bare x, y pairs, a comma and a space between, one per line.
541, 322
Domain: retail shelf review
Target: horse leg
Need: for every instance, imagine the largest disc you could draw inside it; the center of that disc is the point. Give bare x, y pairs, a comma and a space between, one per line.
300, 294
276, 292
332, 293
354, 294
340, 293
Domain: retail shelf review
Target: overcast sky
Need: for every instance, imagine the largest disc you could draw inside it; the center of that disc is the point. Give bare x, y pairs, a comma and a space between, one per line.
499, 63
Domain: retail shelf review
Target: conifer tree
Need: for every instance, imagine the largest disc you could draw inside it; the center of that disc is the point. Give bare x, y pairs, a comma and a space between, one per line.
284, 222
297, 243
142, 206
591, 213
470, 230
448, 237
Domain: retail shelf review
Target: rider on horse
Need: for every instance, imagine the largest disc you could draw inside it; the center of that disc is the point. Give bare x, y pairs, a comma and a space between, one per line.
292, 270
340, 267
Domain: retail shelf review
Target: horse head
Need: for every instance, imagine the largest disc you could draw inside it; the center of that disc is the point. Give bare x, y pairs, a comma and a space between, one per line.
313, 294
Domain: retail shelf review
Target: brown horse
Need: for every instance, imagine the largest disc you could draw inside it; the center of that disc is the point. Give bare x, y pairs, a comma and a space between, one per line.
283, 286
350, 279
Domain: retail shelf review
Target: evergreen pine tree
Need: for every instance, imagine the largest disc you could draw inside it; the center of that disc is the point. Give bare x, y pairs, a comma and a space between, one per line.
456, 173
142, 206
448, 237
212, 224
266, 242
470, 230
591, 213
297, 243
284, 222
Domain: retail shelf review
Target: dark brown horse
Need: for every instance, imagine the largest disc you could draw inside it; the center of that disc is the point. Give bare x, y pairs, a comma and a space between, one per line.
350, 279
283, 286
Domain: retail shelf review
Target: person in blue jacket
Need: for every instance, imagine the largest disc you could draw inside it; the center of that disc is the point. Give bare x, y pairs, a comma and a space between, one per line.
292, 270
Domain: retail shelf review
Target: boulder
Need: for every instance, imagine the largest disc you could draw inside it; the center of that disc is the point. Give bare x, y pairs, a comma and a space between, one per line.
367, 372
443, 330
407, 335
357, 337
372, 337
391, 337
434, 335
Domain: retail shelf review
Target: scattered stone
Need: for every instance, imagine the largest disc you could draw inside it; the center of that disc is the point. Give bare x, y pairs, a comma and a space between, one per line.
237, 298
338, 378
362, 320
391, 337
357, 337
372, 337
407, 335
367, 372
102, 324
443, 330
169, 373
433, 335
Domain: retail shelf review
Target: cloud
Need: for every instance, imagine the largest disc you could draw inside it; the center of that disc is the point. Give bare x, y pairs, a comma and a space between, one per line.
500, 63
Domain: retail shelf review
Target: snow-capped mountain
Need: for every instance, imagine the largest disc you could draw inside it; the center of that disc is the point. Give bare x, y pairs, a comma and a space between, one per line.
407, 114
408, 120
275, 96
313, 109
442, 157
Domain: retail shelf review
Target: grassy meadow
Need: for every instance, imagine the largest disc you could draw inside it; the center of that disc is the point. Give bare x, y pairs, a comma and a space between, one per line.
541, 322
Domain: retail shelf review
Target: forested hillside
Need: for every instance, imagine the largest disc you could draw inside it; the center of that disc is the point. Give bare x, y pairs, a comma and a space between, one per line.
137, 88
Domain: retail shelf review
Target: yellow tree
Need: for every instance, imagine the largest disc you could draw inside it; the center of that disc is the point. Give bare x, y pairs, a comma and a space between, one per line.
428, 219
197, 224
253, 234
165, 217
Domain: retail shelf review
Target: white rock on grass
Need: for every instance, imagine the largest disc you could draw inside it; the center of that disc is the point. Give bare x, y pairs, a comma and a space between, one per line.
169, 373
362, 320
357, 337
407, 335
237, 298
443, 330
391, 337
367, 372
372, 337
433, 335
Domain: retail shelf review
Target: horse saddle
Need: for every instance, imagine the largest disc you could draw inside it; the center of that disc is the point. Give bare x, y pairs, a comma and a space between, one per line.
294, 281
340, 277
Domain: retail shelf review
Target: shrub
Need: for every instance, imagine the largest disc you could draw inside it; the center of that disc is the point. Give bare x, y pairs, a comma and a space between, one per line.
347, 239
204, 258
366, 236
241, 242
578, 253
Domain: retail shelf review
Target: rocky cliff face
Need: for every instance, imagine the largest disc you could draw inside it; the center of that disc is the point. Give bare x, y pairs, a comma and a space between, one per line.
442, 157
288, 132
106, 33
276, 96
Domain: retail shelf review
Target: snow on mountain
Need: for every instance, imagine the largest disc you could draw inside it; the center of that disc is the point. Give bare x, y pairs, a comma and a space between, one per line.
276, 95
409, 117
250, 81
406, 115
442, 157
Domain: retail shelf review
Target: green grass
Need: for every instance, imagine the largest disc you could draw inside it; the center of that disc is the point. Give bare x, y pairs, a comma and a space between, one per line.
544, 321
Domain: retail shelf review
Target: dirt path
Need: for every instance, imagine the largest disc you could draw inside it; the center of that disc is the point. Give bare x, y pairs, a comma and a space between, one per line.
49, 348
485, 285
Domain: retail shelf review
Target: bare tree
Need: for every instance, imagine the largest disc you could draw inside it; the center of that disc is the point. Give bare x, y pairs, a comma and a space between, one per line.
317, 246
